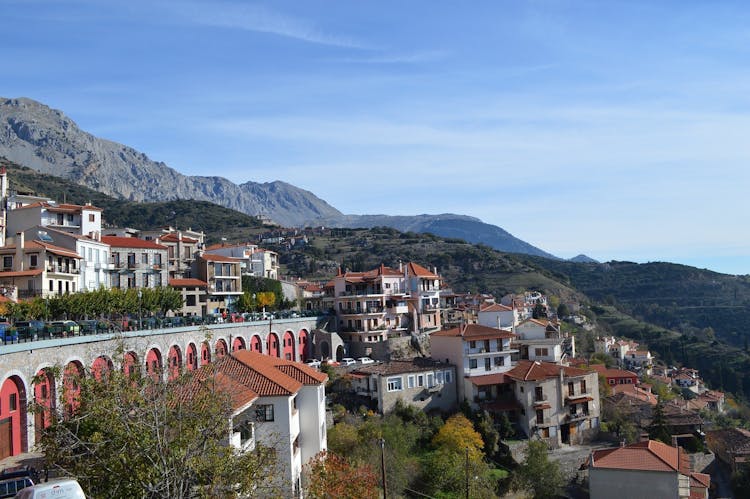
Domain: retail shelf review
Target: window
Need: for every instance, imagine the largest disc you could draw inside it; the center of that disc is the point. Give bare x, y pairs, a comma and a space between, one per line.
439, 377
264, 412
499, 361
420, 380
33, 261
448, 377
92, 217
410, 382
7, 262
541, 352
540, 417
538, 393
394, 384
246, 431
472, 363
487, 364
583, 386
571, 389
12, 402
472, 344
144, 258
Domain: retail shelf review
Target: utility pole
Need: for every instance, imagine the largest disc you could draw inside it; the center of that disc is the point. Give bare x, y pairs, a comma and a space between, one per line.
382, 467
467, 473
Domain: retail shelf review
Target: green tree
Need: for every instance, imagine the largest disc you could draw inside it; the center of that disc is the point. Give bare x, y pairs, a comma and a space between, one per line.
658, 429
538, 475
131, 437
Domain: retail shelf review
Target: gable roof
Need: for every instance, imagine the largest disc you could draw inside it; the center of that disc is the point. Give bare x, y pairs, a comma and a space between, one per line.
131, 242
272, 376
187, 283
173, 238
417, 270
219, 258
527, 370
650, 455
495, 307
474, 332
227, 374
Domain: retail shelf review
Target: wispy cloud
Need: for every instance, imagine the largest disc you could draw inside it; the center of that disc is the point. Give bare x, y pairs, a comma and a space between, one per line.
263, 20
390, 58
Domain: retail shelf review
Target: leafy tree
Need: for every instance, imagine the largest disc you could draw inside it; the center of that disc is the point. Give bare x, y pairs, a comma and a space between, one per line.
485, 425
332, 476
538, 475
658, 430
563, 310
131, 437
458, 434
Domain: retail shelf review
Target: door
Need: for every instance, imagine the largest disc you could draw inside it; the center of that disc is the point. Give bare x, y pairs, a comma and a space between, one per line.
6, 438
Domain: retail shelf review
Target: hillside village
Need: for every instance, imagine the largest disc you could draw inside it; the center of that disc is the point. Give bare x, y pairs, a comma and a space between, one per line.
383, 338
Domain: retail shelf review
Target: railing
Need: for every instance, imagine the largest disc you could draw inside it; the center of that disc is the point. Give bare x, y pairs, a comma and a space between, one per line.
62, 269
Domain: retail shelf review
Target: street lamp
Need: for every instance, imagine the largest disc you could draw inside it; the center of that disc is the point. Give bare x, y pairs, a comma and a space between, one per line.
140, 315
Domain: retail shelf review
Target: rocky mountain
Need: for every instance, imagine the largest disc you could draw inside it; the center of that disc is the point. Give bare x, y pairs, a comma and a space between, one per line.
44, 139
582, 259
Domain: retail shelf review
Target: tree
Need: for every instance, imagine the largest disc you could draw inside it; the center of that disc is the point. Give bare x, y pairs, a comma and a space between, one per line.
658, 430
458, 434
331, 476
129, 436
538, 475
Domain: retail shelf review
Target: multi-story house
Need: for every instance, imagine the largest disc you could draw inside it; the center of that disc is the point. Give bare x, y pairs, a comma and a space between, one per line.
385, 302
639, 360
255, 261
645, 469
559, 404
543, 341
498, 316
481, 354
422, 382
82, 220
277, 404
136, 263
181, 253
95, 265
194, 295
222, 274
37, 268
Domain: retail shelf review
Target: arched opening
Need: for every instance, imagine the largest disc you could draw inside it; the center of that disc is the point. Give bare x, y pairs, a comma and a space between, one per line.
256, 344
101, 367
303, 351
72, 376
272, 345
154, 364
205, 353
339, 353
13, 438
288, 345
221, 348
130, 364
174, 358
192, 357
44, 397
238, 344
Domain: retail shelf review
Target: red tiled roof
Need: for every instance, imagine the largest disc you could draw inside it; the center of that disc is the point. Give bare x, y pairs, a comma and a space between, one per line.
51, 248
474, 332
495, 307
650, 455
219, 258
21, 273
612, 373
527, 370
59, 207
273, 376
226, 373
187, 283
173, 238
417, 270
131, 242
489, 379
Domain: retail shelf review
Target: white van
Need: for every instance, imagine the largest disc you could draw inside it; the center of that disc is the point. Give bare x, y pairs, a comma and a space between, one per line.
57, 489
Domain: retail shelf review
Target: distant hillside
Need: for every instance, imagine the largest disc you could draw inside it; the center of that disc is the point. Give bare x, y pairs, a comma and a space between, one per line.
216, 221
582, 259
469, 229
46, 140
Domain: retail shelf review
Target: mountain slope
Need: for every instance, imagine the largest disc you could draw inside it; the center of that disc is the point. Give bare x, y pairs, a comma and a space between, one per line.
46, 140
464, 227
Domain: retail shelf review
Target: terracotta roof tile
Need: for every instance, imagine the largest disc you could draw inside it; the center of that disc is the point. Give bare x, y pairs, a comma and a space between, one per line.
274, 376
131, 242
187, 283
219, 258
474, 332
650, 455
495, 307
527, 370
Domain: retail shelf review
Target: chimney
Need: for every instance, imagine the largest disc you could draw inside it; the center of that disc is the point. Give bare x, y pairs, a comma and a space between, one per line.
18, 262
622, 443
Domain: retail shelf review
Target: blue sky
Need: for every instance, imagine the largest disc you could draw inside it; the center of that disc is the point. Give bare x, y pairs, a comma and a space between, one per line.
615, 129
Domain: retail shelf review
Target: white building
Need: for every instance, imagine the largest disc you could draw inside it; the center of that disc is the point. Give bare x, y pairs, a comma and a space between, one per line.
136, 263
498, 316
82, 220
255, 261
543, 341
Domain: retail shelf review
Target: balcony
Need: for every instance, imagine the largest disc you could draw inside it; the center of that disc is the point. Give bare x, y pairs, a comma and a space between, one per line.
576, 416
541, 399
361, 311
543, 421
62, 269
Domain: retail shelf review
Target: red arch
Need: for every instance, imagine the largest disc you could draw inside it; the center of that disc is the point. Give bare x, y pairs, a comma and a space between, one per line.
288, 345
192, 357
256, 344
205, 353
174, 359
71, 386
304, 345
272, 345
13, 417
44, 396
130, 363
153, 363
101, 367
221, 348
238, 344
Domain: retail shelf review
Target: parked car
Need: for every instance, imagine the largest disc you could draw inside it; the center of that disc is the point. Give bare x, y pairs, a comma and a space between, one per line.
348, 361
63, 328
365, 360
29, 329
58, 489
313, 363
15, 479
8, 333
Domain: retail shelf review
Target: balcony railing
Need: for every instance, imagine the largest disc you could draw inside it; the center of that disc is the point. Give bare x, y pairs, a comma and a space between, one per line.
577, 416
62, 269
